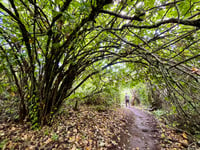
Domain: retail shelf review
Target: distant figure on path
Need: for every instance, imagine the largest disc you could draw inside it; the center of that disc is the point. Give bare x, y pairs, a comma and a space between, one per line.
127, 100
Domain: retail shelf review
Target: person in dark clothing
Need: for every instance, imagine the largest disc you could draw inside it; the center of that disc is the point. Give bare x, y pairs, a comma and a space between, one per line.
127, 100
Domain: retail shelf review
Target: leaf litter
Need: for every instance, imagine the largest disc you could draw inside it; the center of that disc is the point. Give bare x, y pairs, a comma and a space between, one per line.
85, 129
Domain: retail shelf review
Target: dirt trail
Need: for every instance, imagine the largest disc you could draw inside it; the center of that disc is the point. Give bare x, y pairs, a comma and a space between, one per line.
142, 129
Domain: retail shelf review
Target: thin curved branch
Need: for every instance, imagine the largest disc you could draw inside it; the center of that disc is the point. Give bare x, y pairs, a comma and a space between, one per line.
195, 23
185, 61
136, 17
25, 34
164, 5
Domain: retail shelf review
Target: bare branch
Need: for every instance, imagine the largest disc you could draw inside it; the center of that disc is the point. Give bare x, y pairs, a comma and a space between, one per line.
185, 61
195, 23
136, 17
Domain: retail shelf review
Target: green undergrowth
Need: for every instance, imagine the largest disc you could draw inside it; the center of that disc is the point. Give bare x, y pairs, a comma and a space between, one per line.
173, 122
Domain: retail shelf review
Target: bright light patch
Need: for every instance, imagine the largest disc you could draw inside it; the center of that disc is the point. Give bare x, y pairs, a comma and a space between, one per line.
140, 4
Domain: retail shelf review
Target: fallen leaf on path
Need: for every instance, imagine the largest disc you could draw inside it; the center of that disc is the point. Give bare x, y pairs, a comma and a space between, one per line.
184, 135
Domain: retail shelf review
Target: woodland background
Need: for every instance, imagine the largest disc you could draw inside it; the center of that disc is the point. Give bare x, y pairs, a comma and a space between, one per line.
73, 52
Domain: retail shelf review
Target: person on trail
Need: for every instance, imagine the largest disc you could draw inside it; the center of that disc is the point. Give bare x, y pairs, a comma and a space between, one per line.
127, 100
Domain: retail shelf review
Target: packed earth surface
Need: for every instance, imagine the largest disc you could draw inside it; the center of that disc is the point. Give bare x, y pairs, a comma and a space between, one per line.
143, 131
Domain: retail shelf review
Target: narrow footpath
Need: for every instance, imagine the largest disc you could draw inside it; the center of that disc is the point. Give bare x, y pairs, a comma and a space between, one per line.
142, 129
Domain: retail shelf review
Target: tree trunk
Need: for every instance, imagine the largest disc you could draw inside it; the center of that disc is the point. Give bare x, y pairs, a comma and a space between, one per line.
22, 111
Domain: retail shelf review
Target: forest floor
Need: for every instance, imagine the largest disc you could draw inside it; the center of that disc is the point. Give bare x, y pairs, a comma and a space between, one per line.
88, 129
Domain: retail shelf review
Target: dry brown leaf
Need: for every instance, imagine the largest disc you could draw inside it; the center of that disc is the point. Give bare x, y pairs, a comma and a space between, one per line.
12, 129
185, 142
48, 141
